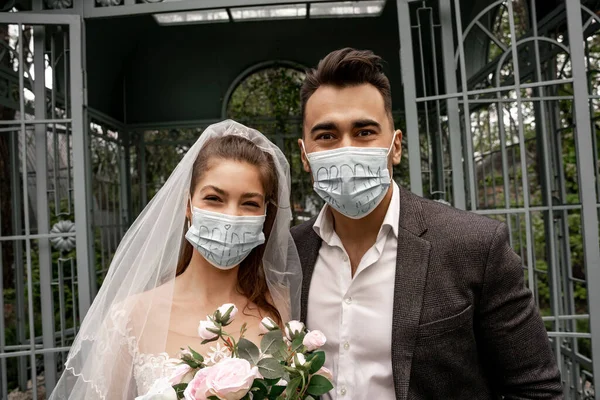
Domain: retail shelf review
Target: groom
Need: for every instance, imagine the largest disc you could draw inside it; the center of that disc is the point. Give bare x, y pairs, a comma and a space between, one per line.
418, 300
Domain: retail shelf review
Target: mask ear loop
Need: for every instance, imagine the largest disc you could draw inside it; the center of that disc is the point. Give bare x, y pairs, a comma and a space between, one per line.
189, 220
388, 154
392, 145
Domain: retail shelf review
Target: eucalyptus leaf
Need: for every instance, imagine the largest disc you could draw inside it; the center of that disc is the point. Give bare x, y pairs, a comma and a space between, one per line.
271, 343
270, 368
248, 351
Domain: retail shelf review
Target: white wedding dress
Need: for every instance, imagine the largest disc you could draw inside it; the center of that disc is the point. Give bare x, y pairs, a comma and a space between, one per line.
148, 368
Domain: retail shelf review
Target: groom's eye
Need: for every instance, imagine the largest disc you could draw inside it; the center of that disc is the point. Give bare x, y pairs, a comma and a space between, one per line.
324, 136
365, 133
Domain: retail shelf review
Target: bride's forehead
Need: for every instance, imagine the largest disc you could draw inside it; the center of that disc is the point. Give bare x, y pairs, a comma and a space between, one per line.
231, 176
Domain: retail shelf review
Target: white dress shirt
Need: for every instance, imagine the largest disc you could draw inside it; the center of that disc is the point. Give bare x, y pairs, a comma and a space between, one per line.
355, 314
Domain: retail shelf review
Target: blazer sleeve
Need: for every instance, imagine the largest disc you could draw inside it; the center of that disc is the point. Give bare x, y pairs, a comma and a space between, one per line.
512, 335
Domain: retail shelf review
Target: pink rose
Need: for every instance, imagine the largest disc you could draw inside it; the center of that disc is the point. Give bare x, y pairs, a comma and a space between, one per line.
204, 330
196, 388
314, 340
181, 374
230, 379
326, 373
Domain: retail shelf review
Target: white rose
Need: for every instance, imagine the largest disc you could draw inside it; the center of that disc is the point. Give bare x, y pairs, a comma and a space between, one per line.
224, 310
267, 325
293, 328
301, 360
160, 390
203, 330
314, 340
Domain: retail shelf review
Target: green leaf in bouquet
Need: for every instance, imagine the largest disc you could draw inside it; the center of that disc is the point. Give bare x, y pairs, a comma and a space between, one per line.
275, 392
309, 397
271, 382
210, 340
317, 361
297, 342
291, 392
196, 355
213, 398
259, 389
192, 363
270, 368
318, 385
248, 351
179, 389
271, 343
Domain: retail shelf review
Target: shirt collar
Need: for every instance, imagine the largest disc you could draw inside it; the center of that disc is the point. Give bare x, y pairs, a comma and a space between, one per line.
323, 225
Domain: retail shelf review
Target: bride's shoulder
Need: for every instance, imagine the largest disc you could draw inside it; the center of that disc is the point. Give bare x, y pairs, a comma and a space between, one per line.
143, 305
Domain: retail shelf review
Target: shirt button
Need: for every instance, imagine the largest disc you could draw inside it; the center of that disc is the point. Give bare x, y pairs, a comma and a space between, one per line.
348, 300
345, 258
343, 391
346, 346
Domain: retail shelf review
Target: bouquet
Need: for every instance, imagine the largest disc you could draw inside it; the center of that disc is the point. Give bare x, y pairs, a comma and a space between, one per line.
287, 365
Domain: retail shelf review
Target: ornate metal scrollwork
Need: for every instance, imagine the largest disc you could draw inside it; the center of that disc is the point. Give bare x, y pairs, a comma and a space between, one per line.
64, 243
108, 3
59, 4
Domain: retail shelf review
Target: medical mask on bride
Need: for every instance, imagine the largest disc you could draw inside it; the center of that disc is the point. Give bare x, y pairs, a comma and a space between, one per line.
224, 240
353, 180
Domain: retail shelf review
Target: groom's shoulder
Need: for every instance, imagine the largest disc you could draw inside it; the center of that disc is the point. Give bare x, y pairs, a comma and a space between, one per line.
303, 229
443, 218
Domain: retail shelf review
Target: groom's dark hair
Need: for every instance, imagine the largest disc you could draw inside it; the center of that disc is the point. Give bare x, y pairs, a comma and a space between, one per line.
347, 67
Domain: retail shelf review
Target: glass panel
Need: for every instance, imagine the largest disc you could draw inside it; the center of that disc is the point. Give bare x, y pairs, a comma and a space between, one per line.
195, 17
347, 9
270, 12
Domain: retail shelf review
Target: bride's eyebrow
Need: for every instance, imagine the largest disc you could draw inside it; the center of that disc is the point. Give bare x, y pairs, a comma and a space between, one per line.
216, 189
252, 195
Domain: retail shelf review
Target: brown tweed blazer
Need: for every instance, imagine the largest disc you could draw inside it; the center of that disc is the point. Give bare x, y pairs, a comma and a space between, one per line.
464, 324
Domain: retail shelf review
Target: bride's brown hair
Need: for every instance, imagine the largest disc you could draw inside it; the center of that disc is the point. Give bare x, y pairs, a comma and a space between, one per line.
251, 276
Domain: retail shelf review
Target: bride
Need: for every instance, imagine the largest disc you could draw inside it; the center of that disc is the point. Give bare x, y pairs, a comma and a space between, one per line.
217, 232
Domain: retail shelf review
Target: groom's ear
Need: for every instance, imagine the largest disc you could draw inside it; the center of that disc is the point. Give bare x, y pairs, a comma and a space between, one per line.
305, 163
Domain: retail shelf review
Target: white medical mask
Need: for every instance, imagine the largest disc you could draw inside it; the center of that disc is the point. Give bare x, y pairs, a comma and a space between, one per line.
352, 180
224, 240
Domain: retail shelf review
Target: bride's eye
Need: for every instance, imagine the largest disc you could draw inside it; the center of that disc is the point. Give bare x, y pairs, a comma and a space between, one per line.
251, 204
212, 198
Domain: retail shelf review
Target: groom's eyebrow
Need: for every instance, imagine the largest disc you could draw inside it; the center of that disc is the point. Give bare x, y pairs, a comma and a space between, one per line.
323, 126
364, 123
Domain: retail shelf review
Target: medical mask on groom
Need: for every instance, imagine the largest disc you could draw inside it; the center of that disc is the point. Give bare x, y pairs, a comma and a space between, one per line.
352, 180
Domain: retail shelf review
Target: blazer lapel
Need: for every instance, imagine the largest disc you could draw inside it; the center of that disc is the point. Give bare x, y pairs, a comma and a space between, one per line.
411, 273
308, 244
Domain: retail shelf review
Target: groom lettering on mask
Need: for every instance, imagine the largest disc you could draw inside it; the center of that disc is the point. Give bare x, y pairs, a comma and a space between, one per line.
417, 299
